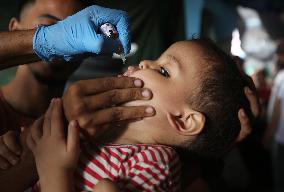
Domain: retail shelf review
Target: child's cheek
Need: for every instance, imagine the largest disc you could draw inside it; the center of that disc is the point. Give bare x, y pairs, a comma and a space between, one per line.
152, 79
160, 87
149, 83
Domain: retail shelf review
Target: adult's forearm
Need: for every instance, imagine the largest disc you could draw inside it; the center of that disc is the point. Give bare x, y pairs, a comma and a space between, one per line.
16, 47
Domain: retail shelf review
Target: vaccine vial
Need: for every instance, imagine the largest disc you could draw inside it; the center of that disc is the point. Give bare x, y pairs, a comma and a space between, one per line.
110, 31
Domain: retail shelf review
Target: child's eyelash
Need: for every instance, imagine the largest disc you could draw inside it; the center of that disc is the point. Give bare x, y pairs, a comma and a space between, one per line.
164, 72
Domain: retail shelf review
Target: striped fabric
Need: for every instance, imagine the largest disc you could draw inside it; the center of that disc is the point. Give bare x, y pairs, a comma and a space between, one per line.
131, 167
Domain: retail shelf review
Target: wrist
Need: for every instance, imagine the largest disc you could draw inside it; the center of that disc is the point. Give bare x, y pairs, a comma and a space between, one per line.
54, 174
56, 180
27, 43
40, 45
53, 43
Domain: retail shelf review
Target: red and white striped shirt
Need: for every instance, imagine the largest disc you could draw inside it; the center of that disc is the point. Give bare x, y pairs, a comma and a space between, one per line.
131, 167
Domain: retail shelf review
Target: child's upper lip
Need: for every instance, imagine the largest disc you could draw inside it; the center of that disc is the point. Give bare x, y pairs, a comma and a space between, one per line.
130, 70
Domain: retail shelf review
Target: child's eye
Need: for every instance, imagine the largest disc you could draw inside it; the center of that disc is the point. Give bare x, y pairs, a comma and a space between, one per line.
164, 72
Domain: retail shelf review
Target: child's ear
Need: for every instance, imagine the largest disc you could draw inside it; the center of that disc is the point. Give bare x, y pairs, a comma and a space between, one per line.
189, 124
14, 24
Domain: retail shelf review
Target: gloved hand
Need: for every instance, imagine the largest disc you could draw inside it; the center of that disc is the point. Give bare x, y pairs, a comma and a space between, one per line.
78, 34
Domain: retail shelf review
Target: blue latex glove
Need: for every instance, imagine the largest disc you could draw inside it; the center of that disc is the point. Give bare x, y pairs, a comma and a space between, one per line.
73, 37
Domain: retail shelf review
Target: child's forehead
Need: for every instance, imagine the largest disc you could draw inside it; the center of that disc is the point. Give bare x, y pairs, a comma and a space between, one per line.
188, 45
189, 53
191, 59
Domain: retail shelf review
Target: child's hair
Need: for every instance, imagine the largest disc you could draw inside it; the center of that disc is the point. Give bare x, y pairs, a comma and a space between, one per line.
219, 96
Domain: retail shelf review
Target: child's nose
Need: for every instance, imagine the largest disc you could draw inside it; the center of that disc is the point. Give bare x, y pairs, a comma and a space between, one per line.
146, 64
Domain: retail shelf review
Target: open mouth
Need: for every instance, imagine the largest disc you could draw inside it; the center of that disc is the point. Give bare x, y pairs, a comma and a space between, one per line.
130, 70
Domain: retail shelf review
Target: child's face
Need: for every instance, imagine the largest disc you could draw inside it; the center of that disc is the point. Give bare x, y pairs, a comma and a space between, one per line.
171, 78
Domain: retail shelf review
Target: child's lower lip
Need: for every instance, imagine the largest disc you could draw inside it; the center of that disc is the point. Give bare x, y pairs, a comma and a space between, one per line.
129, 71
125, 73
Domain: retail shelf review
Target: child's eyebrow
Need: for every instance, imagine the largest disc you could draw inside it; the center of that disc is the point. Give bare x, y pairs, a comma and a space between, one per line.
175, 61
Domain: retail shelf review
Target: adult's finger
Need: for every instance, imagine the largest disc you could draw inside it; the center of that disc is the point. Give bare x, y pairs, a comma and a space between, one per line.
73, 139
36, 130
47, 118
250, 82
30, 142
245, 125
4, 164
6, 153
57, 126
94, 86
116, 96
11, 140
254, 102
115, 114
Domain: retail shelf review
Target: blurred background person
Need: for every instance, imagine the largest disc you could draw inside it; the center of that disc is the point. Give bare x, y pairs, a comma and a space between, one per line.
274, 136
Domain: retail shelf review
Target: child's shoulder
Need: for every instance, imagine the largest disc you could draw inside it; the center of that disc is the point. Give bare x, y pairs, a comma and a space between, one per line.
135, 152
145, 153
130, 162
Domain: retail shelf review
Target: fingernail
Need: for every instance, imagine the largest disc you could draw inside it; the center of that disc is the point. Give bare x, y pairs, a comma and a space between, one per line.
138, 83
53, 100
146, 93
248, 90
14, 161
149, 110
73, 123
242, 113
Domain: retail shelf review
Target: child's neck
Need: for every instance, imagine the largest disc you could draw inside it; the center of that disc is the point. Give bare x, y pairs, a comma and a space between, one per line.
133, 133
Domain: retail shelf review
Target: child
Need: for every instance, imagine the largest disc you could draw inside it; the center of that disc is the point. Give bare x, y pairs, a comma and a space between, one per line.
197, 93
